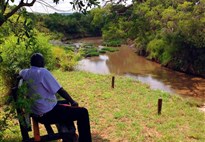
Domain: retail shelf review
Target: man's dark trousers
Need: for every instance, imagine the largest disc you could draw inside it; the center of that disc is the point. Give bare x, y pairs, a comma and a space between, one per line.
67, 114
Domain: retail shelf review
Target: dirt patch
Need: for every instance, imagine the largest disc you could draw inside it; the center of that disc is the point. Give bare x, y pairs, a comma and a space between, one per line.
202, 108
98, 138
150, 133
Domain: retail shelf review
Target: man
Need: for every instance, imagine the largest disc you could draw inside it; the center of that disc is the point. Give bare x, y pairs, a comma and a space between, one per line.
41, 83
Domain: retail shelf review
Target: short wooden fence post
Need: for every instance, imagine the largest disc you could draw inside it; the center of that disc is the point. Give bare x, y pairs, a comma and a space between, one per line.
159, 106
113, 82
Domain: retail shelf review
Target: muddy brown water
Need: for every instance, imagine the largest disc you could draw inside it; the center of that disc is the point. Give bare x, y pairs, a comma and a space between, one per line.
126, 62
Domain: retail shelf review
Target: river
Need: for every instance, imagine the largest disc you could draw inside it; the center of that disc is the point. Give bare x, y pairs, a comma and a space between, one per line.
126, 62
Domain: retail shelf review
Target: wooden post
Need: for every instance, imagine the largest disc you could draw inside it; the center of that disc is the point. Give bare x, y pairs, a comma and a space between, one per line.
159, 106
36, 131
113, 82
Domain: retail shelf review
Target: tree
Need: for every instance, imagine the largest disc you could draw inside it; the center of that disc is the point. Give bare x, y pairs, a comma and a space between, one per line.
5, 14
6, 11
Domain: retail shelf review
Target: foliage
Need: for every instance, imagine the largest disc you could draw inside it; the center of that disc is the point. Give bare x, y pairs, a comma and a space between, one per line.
66, 59
75, 25
16, 56
7, 11
89, 52
18, 43
88, 46
102, 51
92, 53
113, 32
100, 17
7, 114
69, 48
113, 43
175, 26
110, 49
24, 103
165, 31
156, 48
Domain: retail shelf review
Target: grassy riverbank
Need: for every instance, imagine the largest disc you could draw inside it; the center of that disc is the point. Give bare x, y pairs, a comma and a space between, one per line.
129, 111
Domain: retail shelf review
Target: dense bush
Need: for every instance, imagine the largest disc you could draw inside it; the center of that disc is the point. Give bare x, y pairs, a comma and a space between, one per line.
66, 59
16, 56
75, 25
160, 51
113, 34
156, 48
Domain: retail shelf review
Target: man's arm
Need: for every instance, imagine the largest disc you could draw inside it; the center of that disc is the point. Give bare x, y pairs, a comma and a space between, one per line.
63, 93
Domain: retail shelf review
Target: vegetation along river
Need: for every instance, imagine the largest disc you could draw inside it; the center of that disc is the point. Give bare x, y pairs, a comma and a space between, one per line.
127, 62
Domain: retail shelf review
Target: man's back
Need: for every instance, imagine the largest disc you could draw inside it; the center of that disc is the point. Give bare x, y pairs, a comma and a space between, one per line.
42, 87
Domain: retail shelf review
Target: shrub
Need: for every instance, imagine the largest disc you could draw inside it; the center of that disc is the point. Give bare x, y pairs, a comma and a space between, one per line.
69, 48
66, 60
156, 48
168, 54
93, 53
88, 45
89, 52
113, 31
113, 43
17, 56
102, 51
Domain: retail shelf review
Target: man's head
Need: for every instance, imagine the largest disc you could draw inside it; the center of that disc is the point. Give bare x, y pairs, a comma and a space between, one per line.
37, 60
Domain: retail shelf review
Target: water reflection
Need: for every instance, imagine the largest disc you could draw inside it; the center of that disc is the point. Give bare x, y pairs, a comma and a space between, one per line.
126, 62
154, 83
121, 63
95, 65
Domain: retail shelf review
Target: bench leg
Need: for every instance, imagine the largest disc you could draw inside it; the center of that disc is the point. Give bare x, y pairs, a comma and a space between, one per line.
36, 131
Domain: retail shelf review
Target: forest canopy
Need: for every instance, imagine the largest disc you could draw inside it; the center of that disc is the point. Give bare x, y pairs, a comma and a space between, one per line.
169, 32
166, 31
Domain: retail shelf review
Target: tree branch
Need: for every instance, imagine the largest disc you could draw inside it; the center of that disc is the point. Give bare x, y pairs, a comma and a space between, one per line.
5, 5
20, 5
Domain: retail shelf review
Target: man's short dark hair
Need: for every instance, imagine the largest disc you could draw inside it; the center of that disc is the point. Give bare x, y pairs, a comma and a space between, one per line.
37, 60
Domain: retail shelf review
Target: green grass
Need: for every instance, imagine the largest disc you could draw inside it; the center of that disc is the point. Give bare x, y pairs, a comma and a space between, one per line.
92, 53
110, 49
128, 112
69, 48
113, 43
90, 50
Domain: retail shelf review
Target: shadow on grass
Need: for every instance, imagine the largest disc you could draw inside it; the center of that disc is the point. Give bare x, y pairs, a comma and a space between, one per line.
98, 138
95, 138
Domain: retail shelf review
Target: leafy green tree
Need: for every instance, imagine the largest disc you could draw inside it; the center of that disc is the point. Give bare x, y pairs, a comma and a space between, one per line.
72, 26
100, 16
6, 11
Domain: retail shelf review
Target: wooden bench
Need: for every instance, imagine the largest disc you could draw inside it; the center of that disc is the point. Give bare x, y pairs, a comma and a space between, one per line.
29, 123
